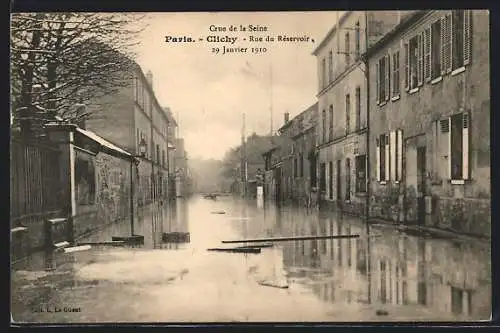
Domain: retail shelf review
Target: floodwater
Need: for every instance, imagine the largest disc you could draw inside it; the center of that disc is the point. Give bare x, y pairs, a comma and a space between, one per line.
383, 275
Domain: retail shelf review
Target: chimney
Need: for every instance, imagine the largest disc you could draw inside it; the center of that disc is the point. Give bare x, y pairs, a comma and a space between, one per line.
287, 117
149, 77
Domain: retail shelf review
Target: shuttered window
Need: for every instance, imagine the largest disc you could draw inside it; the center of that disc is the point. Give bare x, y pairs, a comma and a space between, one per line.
395, 75
420, 59
330, 67
383, 79
330, 132
407, 66
383, 153
453, 146
347, 113
414, 62
435, 49
427, 54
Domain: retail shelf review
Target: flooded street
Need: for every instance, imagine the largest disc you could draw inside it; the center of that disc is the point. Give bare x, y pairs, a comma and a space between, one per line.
384, 275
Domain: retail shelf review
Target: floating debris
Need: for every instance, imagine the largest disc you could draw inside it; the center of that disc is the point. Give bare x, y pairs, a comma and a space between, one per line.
77, 248
112, 243
61, 245
218, 212
280, 239
176, 237
382, 313
237, 250
273, 283
259, 246
132, 240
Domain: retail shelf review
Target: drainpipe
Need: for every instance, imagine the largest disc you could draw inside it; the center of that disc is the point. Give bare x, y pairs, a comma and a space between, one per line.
368, 166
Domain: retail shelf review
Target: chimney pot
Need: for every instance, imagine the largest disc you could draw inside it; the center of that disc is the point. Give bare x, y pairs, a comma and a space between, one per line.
149, 77
287, 117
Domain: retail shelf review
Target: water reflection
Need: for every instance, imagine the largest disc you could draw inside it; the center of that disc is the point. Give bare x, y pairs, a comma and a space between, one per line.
385, 267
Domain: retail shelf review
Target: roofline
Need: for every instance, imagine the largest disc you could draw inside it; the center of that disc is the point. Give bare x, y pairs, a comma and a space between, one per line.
301, 112
150, 88
330, 33
407, 21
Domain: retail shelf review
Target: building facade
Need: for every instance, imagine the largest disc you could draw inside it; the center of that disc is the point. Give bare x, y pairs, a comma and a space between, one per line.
299, 164
430, 121
342, 107
133, 119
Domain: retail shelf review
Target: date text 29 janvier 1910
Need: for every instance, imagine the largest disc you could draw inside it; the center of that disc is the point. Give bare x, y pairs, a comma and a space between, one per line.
226, 39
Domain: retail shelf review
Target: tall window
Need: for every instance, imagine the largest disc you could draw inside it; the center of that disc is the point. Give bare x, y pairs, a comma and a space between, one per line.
163, 158
357, 40
322, 174
358, 108
330, 67
436, 49
348, 179
454, 146
301, 165
347, 113
295, 168
382, 142
323, 73
158, 154
330, 183
383, 80
330, 132
347, 49
323, 120
396, 83
360, 173
413, 62
458, 38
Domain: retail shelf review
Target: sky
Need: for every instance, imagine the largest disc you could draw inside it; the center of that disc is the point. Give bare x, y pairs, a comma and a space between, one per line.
209, 93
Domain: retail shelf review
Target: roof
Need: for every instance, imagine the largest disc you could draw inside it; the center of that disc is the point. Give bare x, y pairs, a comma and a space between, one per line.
106, 146
331, 32
170, 117
287, 124
405, 23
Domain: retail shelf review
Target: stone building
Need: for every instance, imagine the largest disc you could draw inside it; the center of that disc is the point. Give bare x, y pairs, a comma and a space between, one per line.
342, 107
299, 165
132, 118
429, 121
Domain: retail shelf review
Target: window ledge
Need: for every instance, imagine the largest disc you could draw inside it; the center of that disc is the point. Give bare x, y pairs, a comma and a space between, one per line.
412, 91
395, 98
382, 182
437, 80
457, 182
458, 70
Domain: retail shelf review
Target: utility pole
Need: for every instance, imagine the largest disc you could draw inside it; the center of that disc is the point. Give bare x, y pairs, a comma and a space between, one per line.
271, 97
243, 158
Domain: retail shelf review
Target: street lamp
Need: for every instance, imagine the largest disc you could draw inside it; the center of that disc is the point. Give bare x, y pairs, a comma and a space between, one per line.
143, 147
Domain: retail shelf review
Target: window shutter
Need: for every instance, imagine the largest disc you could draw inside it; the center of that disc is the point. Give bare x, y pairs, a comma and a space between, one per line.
387, 157
445, 147
399, 160
467, 36
387, 77
443, 44
407, 67
449, 39
377, 82
392, 155
420, 59
378, 159
465, 146
427, 54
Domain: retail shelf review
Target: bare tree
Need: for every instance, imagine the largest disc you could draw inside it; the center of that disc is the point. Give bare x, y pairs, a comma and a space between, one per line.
61, 59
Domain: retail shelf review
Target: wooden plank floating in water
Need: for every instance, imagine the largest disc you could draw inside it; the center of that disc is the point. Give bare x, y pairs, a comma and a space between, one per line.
258, 246
112, 243
274, 284
282, 239
77, 248
133, 240
237, 250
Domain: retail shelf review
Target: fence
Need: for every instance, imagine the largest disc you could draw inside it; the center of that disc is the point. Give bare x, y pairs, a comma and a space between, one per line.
34, 188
